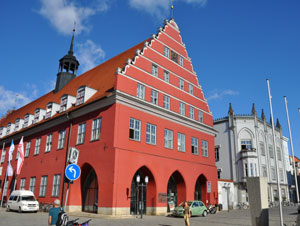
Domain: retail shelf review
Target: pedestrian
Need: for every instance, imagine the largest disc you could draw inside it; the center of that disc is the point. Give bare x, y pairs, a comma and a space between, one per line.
187, 213
53, 213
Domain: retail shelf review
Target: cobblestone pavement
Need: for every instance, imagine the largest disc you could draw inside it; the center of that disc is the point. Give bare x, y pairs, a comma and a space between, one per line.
233, 218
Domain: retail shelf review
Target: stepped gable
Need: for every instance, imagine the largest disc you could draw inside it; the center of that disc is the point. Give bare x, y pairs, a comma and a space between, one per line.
101, 78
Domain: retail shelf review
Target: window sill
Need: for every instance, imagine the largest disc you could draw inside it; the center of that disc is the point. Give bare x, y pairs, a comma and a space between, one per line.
95, 140
151, 144
134, 140
36, 154
58, 149
79, 144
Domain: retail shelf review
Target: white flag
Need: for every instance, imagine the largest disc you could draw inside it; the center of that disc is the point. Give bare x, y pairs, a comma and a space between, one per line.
21, 156
11, 150
10, 170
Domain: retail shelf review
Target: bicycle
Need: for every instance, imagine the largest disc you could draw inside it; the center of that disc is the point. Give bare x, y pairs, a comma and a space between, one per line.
243, 205
75, 223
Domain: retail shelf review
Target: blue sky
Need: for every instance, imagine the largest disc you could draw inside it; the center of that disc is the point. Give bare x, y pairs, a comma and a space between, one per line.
234, 45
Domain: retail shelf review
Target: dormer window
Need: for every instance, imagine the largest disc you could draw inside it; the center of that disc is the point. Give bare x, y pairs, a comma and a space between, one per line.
63, 103
26, 120
17, 124
1, 131
48, 110
36, 115
8, 128
80, 96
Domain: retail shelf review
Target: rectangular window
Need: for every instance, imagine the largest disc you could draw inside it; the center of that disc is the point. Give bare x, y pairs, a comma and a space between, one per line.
217, 153
135, 129
264, 171
191, 89
32, 184
56, 185
63, 103
181, 61
262, 148
140, 91
26, 120
48, 143
271, 153
166, 102
181, 108
166, 76
281, 175
251, 170
195, 149
80, 96
204, 148
174, 56
3, 155
154, 97
273, 174
168, 139
27, 150
96, 128
192, 112
48, 111
151, 134
22, 183
180, 142
200, 116
154, 70
61, 139
246, 169
246, 145
37, 146
181, 84
43, 186
17, 124
36, 115
167, 52
81, 133
278, 154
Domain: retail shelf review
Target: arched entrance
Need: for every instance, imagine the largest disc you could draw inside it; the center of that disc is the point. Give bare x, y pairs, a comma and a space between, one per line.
142, 195
200, 189
176, 191
89, 188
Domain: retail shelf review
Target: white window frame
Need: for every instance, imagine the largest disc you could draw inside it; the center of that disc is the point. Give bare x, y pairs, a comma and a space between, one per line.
180, 60
166, 102
43, 186
36, 115
166, 52
140, 93
81, 133
262, 148
200, 116
167, 76
61, 139
3, 154
168, 138
247, 143
151, 134
195, 146
63, 103
181, 84
191, 89
37, 146
27, 149
48, 143
271, 152
264, 171
32, 184
181, 142
155, 70
134, 129
22, 183
273, 174
278, 154
192, 112
26, 120
96, 129
181, 108
56, 185
80, 96
48, 110
154, 97
204, 145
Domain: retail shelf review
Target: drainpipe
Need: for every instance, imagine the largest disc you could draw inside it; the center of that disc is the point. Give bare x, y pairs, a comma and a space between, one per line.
66, 158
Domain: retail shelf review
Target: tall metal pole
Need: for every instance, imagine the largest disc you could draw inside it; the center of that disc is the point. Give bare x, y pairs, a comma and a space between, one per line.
292, 149
3, 189
275, 154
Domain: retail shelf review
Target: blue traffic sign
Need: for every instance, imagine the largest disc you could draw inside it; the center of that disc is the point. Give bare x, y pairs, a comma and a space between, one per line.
72, 172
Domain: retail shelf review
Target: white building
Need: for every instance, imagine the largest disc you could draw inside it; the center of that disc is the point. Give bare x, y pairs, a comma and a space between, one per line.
244, 148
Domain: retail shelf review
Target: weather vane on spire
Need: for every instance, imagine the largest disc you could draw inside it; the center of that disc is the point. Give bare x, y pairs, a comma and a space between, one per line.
172, 9
74, 27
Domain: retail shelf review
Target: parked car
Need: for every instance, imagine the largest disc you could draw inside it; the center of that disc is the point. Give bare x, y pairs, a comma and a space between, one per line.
21, 201
197, 208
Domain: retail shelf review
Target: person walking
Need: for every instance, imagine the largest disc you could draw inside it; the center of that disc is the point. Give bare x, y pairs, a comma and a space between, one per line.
187, 213
53, 213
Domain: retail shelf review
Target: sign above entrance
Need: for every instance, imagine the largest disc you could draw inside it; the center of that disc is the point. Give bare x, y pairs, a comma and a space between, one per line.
208, 186
72, 172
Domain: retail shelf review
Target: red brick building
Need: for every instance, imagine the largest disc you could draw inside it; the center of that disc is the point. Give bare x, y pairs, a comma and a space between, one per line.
139, 113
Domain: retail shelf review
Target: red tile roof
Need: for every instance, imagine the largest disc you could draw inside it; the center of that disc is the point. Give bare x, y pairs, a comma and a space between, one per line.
101, 78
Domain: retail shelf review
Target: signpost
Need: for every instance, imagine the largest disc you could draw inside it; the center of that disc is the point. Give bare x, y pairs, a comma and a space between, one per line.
72, 172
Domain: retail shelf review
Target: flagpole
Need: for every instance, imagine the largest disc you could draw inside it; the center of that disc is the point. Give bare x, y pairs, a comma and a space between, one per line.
3, 189
275, 154
292, 149
15, 183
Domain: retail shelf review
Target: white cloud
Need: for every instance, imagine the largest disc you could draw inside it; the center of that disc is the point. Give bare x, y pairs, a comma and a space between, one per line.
217, 94
10, 99
63, 13
160, 8
89, 55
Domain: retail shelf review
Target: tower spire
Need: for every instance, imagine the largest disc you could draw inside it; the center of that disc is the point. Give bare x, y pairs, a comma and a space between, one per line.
253, 109
230, 111
71, 45
172, 9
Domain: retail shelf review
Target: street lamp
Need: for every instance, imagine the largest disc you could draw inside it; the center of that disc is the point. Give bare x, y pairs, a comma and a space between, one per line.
227, 187
141, 186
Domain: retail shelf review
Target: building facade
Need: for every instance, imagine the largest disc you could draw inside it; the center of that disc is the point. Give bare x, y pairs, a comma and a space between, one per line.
244, 148
140, 122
